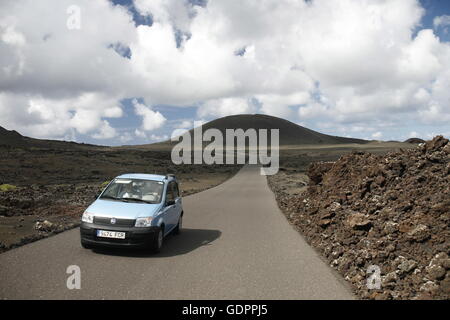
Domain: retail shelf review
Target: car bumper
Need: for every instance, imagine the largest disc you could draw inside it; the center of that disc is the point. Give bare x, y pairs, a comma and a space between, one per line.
134, 237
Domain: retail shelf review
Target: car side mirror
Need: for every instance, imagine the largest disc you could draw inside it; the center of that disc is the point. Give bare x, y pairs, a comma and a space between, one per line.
170, 202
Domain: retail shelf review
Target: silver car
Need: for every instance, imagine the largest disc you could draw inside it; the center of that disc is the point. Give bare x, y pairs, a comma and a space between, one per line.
134, 210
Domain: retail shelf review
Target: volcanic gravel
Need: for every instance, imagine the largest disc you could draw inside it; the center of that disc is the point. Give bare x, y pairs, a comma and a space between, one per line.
389, 213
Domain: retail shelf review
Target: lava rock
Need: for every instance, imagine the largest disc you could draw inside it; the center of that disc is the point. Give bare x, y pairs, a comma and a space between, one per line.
419, 233
407, 266
45, 226
435, 272
359, 221
390, 210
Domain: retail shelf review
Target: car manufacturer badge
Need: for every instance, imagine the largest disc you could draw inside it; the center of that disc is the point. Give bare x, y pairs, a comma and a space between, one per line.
113, 221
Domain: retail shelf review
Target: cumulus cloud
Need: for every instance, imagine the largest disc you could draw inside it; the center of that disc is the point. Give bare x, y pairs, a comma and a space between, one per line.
151, 120
226, 107
54, 80
346, 63
377, 135
140, 133
174, 12
48, 117
413, 134
441, 21
105, 131
158, 138
125, 137
183, 124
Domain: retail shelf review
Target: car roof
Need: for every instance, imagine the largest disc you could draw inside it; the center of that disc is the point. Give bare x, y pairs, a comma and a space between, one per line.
145, 176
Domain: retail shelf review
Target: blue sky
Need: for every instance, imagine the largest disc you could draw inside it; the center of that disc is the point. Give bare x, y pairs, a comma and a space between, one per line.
337, 67
435, 8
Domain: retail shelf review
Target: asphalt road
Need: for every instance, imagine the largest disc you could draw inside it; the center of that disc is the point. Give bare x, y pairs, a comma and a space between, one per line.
235, 244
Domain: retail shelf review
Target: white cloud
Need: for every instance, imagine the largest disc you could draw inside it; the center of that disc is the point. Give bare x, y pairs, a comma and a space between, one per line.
174, 12
278, 105
413, 134
158, 138
140, 133
226, 107
178, 132
126, 137
312, 110
42, 117
343, 62
377, 135
105, 131
441, 21
431, 135
151, 120
183, 124
54, 80
12, 37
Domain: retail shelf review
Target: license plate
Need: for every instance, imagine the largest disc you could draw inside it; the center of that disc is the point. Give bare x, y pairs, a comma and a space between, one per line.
110, 234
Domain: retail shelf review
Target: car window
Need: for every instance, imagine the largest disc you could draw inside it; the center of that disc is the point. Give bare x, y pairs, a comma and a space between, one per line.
134, 189
176, 191
170, 194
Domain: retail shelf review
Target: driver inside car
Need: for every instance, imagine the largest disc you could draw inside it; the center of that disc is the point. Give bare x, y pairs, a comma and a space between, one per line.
127, 191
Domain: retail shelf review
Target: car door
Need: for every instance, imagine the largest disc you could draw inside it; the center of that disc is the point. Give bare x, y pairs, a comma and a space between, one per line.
170, 209
178, 202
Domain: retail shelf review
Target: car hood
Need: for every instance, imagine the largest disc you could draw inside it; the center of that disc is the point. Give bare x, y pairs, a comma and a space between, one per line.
122, 210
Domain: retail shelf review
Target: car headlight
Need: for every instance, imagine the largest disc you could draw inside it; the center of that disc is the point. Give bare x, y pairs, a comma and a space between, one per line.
87, 217
143, 222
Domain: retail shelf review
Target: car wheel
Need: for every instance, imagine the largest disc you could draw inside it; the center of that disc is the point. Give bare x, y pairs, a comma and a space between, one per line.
179, 225
85, 245
158, 241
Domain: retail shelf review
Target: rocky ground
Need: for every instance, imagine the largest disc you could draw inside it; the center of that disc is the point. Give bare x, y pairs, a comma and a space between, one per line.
37, 211
367, 213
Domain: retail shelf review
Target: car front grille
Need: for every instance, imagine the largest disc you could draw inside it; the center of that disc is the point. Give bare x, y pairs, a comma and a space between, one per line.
119, 222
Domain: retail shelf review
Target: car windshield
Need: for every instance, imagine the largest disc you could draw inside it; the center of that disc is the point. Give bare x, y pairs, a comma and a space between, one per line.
136, 190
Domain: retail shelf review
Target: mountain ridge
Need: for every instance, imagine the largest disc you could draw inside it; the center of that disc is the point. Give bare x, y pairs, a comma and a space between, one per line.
290, 134
12, 138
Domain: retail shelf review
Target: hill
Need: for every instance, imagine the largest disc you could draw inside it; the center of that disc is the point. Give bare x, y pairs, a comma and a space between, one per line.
415, 140
290, 133
11, 138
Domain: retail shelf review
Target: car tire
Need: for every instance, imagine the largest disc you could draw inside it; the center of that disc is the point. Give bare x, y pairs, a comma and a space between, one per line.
179, 226
157, 241
85, 245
